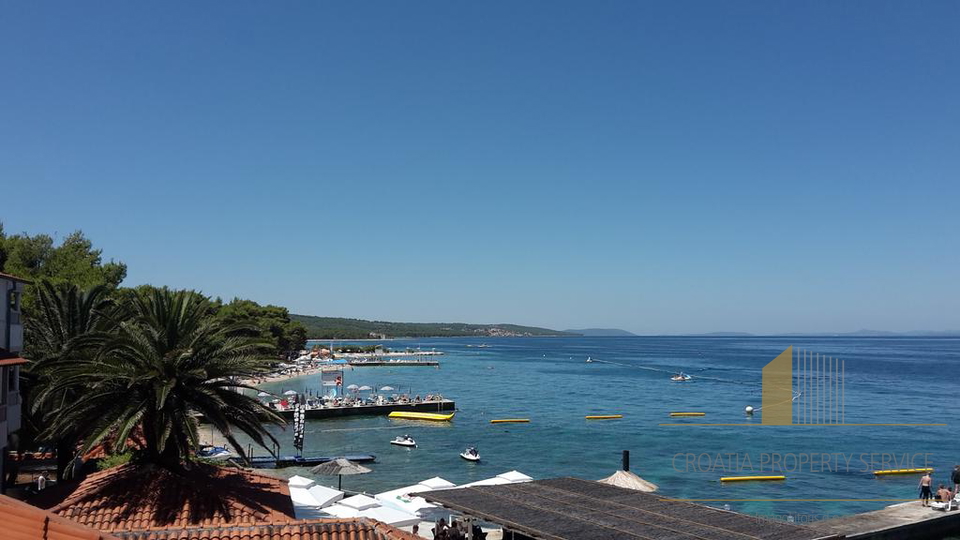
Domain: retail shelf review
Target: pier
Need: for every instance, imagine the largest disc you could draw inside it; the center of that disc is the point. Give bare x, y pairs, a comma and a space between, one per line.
905, 520
373, 410
270, 462
381, 362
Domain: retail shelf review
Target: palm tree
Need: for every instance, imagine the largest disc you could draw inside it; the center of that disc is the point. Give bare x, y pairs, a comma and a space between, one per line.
61, 314
167, 362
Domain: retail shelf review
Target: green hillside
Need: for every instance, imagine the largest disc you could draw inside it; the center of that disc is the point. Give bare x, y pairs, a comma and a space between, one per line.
335, 327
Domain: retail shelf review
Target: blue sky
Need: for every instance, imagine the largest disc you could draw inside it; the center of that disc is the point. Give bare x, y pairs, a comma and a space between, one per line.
659, 167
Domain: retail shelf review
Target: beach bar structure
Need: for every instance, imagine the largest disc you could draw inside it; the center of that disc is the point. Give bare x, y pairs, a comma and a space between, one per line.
575, 509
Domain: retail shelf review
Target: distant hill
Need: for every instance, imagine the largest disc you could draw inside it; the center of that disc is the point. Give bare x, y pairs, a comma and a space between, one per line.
335, 327
721, 334
601, 332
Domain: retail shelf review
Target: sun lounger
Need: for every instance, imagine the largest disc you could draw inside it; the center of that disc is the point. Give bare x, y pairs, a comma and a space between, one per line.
945, 506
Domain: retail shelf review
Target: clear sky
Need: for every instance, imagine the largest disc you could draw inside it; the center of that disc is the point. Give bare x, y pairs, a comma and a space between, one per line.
659, 167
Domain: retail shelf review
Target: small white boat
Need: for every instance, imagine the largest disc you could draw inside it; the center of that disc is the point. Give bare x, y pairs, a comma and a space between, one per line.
404, 440
470, 454
589, 360
681, 377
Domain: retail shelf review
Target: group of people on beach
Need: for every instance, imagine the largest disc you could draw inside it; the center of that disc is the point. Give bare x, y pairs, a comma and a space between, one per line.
944, 493
457, 530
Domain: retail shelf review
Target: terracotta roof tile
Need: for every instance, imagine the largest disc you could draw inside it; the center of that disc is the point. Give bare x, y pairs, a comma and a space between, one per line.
207, 503
132, 497
327, 529
24, 522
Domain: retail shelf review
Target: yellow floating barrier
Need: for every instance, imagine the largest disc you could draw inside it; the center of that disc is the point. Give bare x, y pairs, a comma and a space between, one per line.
421, 416
751, 478
688, 414
902, 471
510, 421
604, 416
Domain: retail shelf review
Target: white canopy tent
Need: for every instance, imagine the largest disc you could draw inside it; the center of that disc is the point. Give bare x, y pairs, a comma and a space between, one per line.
309, 498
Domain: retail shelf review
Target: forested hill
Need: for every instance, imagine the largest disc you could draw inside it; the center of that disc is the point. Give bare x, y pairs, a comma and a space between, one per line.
334, 327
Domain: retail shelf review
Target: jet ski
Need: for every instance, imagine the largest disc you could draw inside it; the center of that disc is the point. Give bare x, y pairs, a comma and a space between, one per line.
404, 440
470, 454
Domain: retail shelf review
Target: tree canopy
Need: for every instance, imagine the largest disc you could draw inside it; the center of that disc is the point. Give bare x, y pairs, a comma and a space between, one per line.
73, 261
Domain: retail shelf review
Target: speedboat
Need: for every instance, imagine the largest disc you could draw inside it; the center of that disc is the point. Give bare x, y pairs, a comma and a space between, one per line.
589, 360
470, 454
681, 377
404, 440
215, 452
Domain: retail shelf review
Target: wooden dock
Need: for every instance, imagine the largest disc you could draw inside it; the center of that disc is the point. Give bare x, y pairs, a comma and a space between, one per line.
905, 520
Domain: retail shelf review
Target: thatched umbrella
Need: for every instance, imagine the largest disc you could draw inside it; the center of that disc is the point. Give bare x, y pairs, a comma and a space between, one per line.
627, 479
339, 467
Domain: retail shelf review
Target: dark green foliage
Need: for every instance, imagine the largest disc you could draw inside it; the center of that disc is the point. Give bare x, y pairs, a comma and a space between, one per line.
165, 360
73, 261
272, 323
332, 327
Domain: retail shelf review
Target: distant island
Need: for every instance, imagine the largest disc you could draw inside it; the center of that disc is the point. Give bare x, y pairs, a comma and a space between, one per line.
340, 328
857, 333
600, 332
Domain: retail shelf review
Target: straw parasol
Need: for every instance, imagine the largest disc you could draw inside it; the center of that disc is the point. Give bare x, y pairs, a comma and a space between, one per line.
339, 467
627, 479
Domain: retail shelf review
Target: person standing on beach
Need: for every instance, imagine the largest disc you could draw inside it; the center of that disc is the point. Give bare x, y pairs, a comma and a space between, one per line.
925, 493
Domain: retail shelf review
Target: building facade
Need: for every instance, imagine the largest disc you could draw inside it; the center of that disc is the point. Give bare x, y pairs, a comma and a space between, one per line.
11, 345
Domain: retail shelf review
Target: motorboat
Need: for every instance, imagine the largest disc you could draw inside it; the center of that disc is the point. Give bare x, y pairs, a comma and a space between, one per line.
470, 454
404, 440
681, 377
589, 360
215, 453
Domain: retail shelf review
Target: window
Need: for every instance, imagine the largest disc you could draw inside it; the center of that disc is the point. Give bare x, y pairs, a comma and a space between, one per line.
14, 307
14, 378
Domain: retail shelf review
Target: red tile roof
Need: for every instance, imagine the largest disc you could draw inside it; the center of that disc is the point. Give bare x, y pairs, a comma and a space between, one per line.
136, 497
327, 529
8, 358
207, 503
24, 522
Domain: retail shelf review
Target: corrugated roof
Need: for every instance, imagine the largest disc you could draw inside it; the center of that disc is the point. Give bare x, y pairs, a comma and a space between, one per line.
575, 509
22, 521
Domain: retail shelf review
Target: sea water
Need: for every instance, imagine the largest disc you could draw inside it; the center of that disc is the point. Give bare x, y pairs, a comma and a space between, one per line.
885, 381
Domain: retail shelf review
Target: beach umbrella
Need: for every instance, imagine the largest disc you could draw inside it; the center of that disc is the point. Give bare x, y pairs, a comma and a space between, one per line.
364, 388
264, 394
290, 393
339, 467
387, 389
352, 387
627, 479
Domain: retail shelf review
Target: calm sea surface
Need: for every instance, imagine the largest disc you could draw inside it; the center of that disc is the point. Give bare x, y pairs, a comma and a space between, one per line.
886, 380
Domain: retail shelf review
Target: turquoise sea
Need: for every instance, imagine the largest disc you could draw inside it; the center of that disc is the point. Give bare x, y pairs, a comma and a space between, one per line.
886, 380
